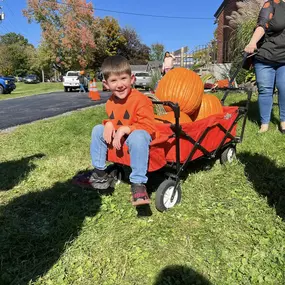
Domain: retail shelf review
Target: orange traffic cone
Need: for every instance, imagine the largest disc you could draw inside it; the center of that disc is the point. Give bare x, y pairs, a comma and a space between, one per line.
93, 91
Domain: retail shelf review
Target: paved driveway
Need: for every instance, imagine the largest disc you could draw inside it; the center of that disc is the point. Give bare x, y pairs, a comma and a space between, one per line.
24, 110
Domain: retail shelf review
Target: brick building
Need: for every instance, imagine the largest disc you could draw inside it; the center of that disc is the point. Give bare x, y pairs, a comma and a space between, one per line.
223, 33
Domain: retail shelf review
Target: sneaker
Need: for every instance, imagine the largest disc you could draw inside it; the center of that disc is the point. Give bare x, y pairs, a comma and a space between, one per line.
91, 179
139, 194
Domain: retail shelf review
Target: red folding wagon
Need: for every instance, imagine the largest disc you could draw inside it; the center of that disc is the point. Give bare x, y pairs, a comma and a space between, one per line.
182, 143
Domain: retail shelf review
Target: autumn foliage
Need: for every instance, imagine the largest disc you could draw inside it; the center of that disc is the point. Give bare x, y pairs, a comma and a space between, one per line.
67, 27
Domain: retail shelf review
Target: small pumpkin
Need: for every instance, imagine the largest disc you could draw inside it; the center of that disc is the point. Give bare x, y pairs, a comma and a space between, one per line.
181, 86
223, 84
210, 105
169, 117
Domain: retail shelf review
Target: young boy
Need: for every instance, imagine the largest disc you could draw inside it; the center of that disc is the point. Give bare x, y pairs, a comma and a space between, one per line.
130, 115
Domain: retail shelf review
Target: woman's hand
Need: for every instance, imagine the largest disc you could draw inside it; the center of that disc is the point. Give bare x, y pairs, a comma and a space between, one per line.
250, 48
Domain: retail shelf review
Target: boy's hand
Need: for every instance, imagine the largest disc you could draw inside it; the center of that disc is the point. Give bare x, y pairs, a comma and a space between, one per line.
118, 136
109, 132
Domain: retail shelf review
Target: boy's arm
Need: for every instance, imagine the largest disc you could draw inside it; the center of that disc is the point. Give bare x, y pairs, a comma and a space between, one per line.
145, 117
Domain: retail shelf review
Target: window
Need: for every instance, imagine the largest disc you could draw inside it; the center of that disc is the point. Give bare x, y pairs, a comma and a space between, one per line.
142, 74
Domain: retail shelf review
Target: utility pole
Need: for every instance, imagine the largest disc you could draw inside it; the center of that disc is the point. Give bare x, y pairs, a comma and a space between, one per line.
2, 15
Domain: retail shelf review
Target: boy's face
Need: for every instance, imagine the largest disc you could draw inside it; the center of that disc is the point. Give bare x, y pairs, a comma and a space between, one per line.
119, 84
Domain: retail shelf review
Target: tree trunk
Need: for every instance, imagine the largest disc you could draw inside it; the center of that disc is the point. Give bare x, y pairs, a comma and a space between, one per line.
43, 75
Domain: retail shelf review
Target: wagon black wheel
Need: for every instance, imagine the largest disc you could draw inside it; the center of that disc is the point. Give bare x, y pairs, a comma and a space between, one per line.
164, 193
228, 155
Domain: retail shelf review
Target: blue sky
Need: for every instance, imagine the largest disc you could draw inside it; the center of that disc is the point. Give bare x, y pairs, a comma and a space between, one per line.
173, 33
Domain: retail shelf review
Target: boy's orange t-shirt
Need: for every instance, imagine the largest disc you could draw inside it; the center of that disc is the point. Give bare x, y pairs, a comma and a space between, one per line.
135, 111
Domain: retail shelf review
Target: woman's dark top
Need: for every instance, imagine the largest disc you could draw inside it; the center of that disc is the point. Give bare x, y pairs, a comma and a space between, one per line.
81, 79
272, 19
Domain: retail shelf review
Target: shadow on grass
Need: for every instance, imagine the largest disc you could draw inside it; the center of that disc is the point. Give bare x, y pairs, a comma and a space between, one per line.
180, 275
13, 172
36, 228
253, 112
268, 179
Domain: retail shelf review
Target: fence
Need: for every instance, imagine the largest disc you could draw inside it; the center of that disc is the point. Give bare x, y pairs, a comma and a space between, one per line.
205, 58
202, 54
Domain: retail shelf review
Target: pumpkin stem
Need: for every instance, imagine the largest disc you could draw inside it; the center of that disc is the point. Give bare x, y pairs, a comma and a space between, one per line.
158, 108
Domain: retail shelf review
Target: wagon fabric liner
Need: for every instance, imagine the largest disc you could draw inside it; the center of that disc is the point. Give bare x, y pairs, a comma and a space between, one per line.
209, 133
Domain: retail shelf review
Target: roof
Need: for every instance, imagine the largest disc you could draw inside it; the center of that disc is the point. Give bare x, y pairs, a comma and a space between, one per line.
220, 9
154, 64
138, 67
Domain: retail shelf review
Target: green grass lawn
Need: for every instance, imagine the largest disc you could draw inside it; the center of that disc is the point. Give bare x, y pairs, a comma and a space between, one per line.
34, 89
228, 229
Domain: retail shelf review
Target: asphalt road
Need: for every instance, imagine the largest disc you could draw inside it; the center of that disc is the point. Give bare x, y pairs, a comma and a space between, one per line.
18, 111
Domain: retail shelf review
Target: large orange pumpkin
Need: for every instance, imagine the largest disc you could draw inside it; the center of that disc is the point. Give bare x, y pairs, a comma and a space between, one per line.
170, 118
181, 86
210, 105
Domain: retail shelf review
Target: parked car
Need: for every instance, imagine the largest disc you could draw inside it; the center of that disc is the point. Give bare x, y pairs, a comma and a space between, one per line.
142, 79
71, 81
7, 85
31, 79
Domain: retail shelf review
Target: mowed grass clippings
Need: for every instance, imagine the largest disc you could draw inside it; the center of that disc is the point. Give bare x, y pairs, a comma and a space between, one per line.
228, 229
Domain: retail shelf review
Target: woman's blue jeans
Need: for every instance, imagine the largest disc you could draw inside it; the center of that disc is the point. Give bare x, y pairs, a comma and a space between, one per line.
269, 75
138, 143
82, 88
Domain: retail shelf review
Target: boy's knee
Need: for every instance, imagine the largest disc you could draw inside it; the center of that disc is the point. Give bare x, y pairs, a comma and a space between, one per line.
139, 137
98, 130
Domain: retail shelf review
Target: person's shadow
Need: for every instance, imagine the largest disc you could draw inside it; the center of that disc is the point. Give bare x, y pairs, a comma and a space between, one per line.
36, 227
14, 171
268, 179
180, 275
253, 112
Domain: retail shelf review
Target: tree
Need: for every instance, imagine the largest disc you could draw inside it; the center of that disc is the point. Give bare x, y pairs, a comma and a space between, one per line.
112, 34
108, 40
12, 38
41, 61
135, 51
14, 54
157, 52
67, 27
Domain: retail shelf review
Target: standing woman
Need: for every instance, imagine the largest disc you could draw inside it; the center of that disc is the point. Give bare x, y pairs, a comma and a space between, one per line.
269, 62
168, 62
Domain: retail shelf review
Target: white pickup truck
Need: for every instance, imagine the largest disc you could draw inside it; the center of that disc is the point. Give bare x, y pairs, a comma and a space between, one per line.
70, 81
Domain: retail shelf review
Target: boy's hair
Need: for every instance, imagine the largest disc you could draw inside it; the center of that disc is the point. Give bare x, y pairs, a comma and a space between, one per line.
115, 64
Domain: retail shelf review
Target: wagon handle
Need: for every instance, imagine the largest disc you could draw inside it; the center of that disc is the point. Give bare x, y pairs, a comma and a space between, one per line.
245, 55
